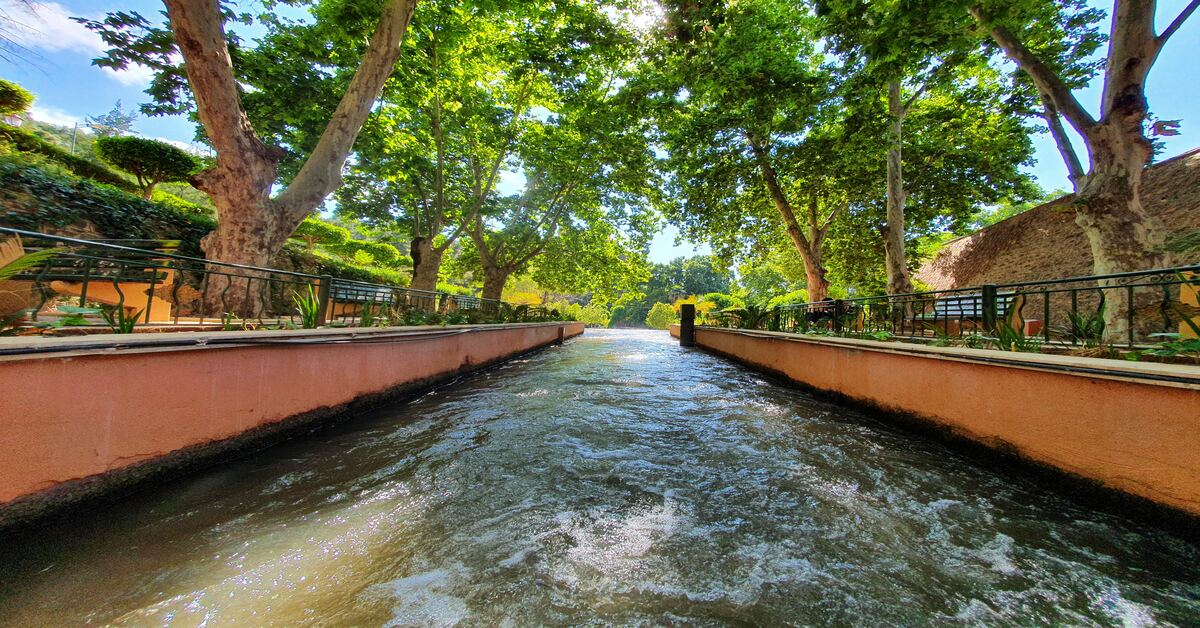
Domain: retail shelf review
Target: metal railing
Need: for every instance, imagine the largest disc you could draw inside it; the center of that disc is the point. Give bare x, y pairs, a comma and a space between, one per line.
1132, 309
85, 283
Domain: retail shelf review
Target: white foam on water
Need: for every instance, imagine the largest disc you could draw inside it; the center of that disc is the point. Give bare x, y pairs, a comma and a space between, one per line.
425, 599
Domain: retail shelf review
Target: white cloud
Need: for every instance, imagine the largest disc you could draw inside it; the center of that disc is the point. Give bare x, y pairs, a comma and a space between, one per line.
58, 117
48, 27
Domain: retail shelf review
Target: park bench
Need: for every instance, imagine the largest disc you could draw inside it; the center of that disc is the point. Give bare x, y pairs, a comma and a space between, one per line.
957, 314
132, 278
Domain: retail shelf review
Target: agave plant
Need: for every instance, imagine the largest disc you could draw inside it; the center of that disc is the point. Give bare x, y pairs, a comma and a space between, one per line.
309, 307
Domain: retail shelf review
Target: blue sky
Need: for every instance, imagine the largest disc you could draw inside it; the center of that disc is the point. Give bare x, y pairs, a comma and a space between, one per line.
58, 70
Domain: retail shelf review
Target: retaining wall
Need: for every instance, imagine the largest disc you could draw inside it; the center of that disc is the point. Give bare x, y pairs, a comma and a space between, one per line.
1132, 427
84, 415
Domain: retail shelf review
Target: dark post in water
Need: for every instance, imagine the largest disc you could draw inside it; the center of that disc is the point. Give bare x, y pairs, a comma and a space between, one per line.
687, 325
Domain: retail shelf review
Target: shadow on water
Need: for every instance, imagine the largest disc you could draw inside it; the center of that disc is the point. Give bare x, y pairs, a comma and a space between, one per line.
617, 479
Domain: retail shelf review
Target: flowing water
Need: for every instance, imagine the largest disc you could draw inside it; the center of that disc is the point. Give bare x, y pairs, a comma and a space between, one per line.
619, 480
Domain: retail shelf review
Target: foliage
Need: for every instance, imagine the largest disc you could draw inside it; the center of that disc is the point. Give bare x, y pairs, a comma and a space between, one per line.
119, 320
308, 306
13, 98
182, 206
660, 316
26, 142
9, 320
376, 253
115, 123
721, 301
751, 316
794, 297
1086, 328
150, 161
316, 231
35, 200
593, 315
1007, 337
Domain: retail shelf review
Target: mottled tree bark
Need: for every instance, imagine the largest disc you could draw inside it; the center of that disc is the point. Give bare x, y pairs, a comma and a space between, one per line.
1108, 205
253, 226
427, 261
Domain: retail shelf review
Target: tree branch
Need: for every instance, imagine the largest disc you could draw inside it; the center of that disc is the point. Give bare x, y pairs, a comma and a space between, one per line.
1047, 80
1075, 171
1178, 21
322, 171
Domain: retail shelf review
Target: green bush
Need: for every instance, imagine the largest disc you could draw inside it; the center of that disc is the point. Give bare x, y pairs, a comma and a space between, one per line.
181, 205
26, 142
792, 298
594, 316
316, 231
381, 253
13, 98
36, 200
151, 161
661, 316
450, 288
721, 301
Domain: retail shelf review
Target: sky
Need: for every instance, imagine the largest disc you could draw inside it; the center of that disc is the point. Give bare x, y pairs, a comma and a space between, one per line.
57, 68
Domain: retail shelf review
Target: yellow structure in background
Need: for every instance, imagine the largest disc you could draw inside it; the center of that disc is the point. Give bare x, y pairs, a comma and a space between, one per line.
1189, 295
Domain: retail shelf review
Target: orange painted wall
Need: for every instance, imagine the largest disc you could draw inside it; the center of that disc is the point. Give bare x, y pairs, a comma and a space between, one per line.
1127, 433
69, 417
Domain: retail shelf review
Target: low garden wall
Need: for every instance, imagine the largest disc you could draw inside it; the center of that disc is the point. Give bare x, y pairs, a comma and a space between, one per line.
1132, 427
83, 416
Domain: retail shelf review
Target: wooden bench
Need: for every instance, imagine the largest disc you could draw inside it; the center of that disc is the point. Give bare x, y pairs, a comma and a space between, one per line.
134, 280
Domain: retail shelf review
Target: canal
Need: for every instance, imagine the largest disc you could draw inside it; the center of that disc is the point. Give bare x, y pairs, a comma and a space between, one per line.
616, 479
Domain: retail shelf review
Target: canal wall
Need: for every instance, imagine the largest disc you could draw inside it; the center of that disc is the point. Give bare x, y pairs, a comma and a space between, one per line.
1132, 428
86, 416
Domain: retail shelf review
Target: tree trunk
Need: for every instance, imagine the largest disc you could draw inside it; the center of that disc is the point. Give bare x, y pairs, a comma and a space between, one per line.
493, 282
893, 236
818, 285
1108, 206
252, 226
427, 261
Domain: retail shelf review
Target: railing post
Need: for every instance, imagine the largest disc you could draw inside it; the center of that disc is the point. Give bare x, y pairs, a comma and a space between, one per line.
687, 325
989, 308
323, 288
838, 312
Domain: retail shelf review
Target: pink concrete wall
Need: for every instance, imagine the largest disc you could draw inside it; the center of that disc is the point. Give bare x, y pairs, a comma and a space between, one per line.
77, 415
1115, 426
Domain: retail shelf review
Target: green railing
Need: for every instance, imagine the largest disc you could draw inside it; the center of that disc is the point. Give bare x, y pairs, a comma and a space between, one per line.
128, 284
1131, 310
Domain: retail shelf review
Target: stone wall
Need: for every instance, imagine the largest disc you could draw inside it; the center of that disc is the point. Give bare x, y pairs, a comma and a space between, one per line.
1045, 242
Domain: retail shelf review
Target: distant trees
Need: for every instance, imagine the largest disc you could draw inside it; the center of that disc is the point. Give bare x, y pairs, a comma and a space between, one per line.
660, 316
115, 123
150, 161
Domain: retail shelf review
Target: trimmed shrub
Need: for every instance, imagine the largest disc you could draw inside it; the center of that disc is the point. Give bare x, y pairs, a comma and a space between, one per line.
381, 253
181, 205
26, 142
661, 316
13, 98
453, 289
151, 161
316, 231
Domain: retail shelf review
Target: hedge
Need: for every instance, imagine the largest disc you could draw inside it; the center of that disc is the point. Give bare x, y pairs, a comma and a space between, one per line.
36, 200
27, 142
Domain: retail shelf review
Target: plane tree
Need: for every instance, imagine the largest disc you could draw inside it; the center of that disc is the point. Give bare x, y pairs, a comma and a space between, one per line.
255, 220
